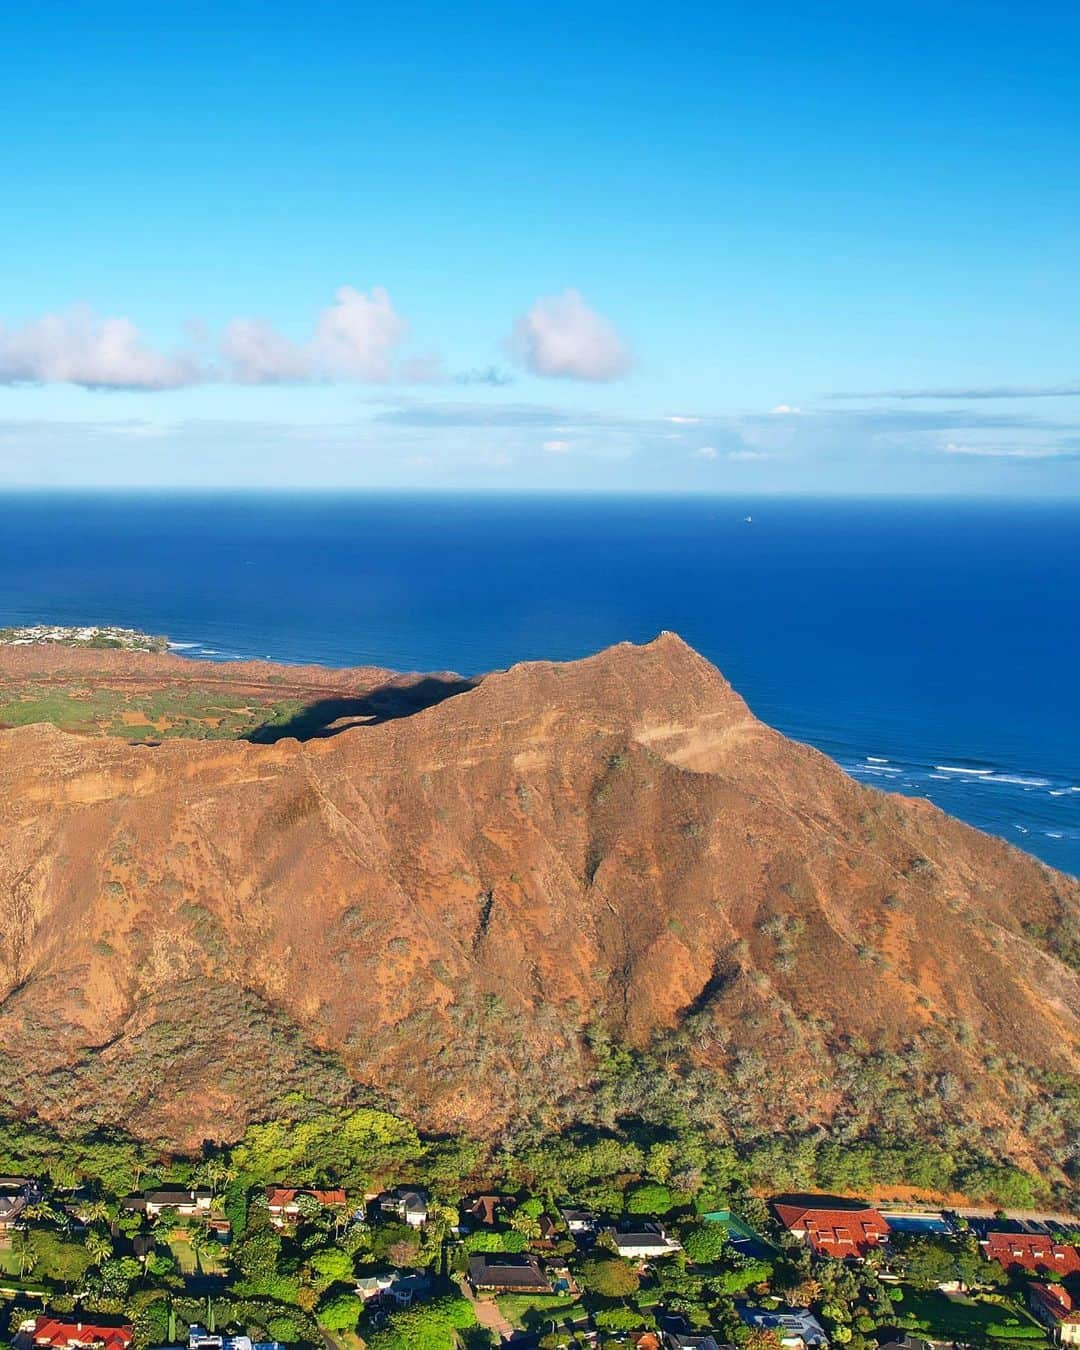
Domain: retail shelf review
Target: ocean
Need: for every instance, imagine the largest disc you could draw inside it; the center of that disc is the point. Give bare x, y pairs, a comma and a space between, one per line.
931, 648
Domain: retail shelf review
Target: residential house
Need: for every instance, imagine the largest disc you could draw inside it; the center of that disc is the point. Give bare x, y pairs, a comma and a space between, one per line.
796, 1328
60, 1333
400, 1287
1033, 1252
483, 1209
15, 1194
189, 1203
409, 1203
906, 1342
283, 1202
11, 1211
579, 1222
841, 1232
201, 1339
508, 1273
693, 1340
642, 1240
1057, 1310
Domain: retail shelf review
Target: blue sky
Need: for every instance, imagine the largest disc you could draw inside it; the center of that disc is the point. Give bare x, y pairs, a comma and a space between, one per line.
686, 247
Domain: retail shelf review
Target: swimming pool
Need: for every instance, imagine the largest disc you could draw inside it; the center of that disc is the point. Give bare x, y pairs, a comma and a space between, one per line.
916, 1223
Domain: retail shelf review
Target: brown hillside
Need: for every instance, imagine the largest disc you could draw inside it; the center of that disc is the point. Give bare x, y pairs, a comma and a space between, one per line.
437, 903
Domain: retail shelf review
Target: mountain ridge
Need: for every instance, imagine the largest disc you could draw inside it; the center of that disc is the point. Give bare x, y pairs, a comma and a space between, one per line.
455, 908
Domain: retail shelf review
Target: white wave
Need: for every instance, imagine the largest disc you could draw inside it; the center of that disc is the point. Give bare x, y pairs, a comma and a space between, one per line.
876, 759
1053, 834
1018, 779
1022, 828
182, 646
952, 768
941, 777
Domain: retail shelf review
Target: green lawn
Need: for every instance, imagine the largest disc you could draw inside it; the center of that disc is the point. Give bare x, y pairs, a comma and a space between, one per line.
528, 1311
955, 1317
9, 1262
184, 1253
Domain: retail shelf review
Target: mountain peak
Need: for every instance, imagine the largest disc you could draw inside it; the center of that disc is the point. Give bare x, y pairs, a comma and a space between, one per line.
440, 883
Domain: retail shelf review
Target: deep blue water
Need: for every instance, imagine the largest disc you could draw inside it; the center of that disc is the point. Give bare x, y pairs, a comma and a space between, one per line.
908, 640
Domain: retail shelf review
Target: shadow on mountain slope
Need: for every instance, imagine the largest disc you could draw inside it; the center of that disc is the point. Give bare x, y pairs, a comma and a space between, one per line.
329, 716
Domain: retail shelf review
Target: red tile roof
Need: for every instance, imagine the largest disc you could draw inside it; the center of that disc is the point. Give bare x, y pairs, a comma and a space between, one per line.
59, 1334
1032, 1253
835, 1232
1056, 1300
281, 1197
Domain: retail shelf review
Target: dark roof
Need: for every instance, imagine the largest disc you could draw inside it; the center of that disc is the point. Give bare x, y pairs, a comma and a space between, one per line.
640, 1233
484, 1207
175, 1196
412, 1197
507, 1269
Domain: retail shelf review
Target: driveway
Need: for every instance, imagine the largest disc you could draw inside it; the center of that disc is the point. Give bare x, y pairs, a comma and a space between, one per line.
487, 1312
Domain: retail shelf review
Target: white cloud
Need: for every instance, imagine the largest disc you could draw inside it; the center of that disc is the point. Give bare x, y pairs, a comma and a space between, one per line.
748, 456
556, 447
705, 452
257, 354
354, 339
998, 452
785, 410
562, 337
356, 335
683, 421
78, 347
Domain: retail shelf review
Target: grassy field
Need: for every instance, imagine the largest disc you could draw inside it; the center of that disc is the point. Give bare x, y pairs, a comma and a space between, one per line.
184, 1253
529, 1311
954, 1317
9, 1262
142, 715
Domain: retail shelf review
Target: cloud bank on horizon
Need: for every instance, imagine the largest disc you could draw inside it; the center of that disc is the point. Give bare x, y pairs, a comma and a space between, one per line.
355, 340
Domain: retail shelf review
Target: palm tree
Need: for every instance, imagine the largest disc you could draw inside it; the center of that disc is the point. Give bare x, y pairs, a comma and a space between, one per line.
200, 1240
98, 1246
214, 1172
27, 1252
41, 1211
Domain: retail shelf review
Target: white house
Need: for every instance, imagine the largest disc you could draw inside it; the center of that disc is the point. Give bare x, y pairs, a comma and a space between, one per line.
797, 1328
189, 1203
406, 1202
643, 1241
